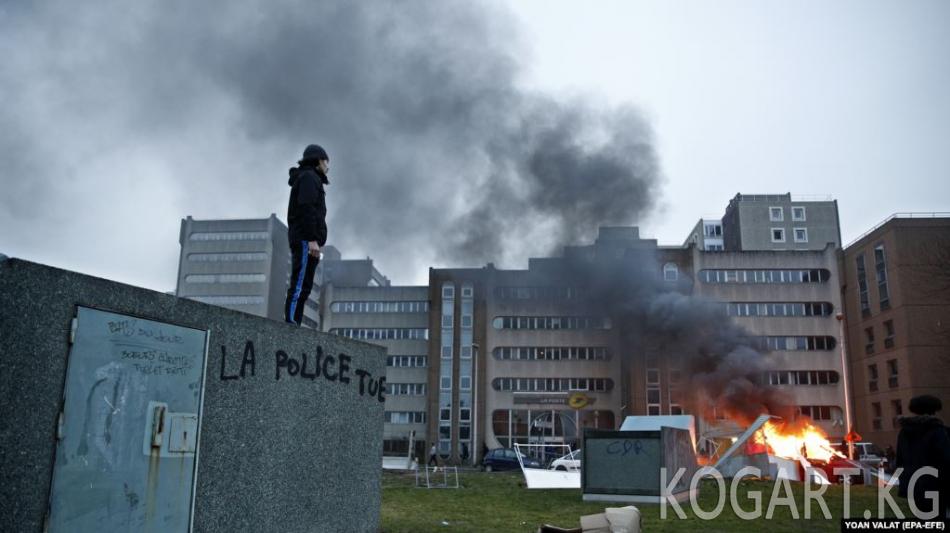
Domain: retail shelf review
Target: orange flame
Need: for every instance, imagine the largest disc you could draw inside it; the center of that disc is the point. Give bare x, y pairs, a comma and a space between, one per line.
793, 440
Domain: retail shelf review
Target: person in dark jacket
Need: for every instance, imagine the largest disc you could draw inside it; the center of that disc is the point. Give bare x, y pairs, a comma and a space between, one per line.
307, 226
922, 442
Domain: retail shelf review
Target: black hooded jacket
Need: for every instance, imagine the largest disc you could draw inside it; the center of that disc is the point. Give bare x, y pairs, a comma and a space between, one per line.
923, 441
307, 209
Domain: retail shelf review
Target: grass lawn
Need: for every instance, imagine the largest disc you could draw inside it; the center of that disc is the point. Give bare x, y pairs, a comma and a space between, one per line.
499, 502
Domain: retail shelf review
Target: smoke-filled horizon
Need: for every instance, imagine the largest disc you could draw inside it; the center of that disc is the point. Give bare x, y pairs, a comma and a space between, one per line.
121, 119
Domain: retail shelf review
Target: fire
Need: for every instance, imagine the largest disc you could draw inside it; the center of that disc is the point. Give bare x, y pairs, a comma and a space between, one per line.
792, 440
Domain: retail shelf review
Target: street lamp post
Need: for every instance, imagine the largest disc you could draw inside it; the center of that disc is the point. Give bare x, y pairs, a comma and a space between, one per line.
845, 376
475, 447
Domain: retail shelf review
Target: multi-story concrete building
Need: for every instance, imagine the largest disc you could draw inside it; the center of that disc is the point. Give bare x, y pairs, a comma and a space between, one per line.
896, 290
521, 356
787, 301
348, 272
398, 319
239, 264
334, 270
706, 235
780, 222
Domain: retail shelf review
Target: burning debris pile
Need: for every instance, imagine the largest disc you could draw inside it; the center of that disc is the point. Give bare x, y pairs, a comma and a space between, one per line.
794, 440
785, 449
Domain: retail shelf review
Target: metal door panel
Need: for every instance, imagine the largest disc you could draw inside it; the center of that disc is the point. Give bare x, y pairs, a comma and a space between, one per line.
126, 455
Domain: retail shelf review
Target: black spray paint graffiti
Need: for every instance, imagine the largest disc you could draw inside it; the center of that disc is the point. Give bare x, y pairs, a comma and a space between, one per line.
333, 369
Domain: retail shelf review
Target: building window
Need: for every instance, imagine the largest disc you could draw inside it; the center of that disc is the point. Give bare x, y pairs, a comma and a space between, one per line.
869, 340
506, 384
448, 291
801, 377
776, 214
876, 415
550, 322
778, 234
670, 272
406, 389
419, 306
551, 353
467, 291
793, 344
888, 334
798, 214
405, 417
776, 276
872, 378
411, 361
892, 373
898, 412
712, 230
228, 257
200, 278
241, 278
820, 412
382, 334
800, 234
230, 236
880, 267
862, 285
779, 309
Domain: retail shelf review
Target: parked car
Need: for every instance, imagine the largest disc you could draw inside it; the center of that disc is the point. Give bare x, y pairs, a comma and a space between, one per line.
570, 462
866, 452
506, 459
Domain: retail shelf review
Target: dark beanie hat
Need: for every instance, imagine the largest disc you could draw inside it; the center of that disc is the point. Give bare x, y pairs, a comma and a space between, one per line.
925, 404
313, 153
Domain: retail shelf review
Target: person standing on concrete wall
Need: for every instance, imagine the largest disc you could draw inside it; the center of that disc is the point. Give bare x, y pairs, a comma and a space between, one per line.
307, 226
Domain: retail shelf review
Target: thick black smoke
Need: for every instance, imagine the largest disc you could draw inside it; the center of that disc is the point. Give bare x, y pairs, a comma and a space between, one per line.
141, 113
720, 365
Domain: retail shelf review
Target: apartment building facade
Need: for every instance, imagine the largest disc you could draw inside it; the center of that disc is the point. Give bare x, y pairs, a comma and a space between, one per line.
521, 356
396, 318
896, 290
787, 302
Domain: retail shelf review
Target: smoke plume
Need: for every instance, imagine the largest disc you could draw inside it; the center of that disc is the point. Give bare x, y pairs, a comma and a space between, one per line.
720, 366
119, 119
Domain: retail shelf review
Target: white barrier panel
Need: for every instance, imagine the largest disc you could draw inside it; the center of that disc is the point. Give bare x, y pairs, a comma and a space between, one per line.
538, 478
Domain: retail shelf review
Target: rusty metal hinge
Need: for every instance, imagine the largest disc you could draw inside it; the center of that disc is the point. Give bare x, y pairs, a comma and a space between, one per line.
158, 426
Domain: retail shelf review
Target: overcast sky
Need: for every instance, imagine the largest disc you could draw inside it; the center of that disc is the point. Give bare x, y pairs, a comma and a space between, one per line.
459, 132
